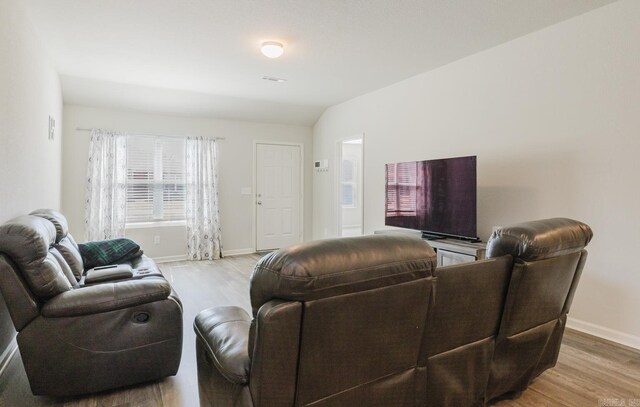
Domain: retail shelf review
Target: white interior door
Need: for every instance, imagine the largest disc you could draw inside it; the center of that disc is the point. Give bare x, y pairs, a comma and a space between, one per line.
278, 196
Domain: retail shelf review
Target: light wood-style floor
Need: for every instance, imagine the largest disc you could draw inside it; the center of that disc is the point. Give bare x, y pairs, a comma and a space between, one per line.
590, 371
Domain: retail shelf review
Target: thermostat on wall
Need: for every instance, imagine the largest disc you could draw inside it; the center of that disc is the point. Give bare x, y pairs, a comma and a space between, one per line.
321, 165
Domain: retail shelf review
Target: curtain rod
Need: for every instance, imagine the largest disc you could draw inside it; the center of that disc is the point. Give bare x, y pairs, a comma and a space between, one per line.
150, 134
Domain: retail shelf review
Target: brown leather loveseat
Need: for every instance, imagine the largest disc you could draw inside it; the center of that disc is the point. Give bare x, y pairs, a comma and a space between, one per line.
75, 338
370, 321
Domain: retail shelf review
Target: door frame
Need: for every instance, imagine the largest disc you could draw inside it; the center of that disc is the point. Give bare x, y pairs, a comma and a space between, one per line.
337, 203
255, 186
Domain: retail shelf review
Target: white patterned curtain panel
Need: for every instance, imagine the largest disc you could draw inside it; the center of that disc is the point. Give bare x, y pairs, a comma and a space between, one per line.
204, 240
105, 204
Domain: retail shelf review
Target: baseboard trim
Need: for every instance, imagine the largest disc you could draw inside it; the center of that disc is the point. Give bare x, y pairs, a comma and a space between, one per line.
225, 253
604, 333
7, 355
166, 259
237, 252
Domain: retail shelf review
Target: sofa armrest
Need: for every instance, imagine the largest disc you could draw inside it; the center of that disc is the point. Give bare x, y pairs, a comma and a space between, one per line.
224, 332
106, 297
107, 274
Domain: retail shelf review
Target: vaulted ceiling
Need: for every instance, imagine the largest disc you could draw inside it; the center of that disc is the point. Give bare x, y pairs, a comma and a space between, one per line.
201, 57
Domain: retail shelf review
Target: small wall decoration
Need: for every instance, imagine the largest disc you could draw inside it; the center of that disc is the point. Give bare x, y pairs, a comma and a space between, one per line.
52, 127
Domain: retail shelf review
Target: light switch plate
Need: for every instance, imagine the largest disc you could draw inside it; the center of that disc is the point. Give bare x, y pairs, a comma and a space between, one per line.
52, 128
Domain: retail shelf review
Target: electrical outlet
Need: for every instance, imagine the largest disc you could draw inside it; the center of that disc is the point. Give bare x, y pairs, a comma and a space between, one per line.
156, 240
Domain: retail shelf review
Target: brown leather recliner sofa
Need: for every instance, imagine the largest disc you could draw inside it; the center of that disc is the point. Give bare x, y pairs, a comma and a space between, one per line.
76, 339
370, 321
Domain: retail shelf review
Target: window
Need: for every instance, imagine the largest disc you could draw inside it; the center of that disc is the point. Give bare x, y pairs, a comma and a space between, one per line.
155, 179
402, 189
348, 183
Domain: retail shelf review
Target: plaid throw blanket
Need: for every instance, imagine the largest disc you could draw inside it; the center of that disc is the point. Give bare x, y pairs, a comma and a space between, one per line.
105, 252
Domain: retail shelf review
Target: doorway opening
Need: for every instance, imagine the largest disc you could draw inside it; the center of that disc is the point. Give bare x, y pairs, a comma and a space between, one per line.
350, 186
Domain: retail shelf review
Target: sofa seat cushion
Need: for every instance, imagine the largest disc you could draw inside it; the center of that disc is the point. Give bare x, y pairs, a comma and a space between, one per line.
105, 252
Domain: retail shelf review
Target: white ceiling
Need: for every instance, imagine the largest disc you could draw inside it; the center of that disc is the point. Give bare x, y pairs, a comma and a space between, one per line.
201, 56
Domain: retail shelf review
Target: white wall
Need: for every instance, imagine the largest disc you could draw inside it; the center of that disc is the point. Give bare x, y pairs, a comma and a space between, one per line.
29, 93
30, 164
554, 118
235, 167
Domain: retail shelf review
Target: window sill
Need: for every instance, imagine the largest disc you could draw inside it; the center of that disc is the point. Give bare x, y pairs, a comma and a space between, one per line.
147, 225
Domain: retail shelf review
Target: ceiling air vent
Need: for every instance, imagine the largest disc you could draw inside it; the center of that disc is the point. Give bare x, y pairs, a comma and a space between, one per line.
273, 79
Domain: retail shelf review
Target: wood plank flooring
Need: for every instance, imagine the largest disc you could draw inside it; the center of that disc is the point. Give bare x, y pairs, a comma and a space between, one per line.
589, 369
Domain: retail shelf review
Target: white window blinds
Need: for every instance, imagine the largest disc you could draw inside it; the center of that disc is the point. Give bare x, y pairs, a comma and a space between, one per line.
402, 189
155, 179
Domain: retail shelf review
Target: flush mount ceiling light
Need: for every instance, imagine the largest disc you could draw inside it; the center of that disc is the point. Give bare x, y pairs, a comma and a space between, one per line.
272, 49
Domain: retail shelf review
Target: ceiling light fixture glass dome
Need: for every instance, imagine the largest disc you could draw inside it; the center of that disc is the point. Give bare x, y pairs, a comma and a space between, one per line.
272, 49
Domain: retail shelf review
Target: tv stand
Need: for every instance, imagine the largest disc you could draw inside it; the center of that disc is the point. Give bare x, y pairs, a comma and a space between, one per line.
434, 236
431, 236
449, 251
454, 251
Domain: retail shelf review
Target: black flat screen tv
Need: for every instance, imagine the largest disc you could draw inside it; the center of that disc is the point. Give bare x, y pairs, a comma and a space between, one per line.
437, 197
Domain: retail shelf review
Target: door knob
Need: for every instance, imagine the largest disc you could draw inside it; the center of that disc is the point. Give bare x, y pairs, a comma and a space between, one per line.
259, 202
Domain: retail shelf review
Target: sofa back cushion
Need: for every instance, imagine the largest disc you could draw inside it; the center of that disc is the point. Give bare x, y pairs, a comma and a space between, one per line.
326, 268
540, 239
58, 220
364, 303
538, 292
549, 255
22, 304
27, 241
365, 347
68, 248
64, 242
66, 269
461, 330
468, 305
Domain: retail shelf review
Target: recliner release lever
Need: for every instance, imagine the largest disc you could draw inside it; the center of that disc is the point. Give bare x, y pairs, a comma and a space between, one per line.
141, 317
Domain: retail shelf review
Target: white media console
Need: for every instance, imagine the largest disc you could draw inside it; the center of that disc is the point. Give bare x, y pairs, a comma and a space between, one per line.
448, 251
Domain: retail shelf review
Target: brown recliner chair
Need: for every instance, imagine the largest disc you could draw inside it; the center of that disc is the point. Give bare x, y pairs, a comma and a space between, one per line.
335, 322
77, 339
497, 323
549, 257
